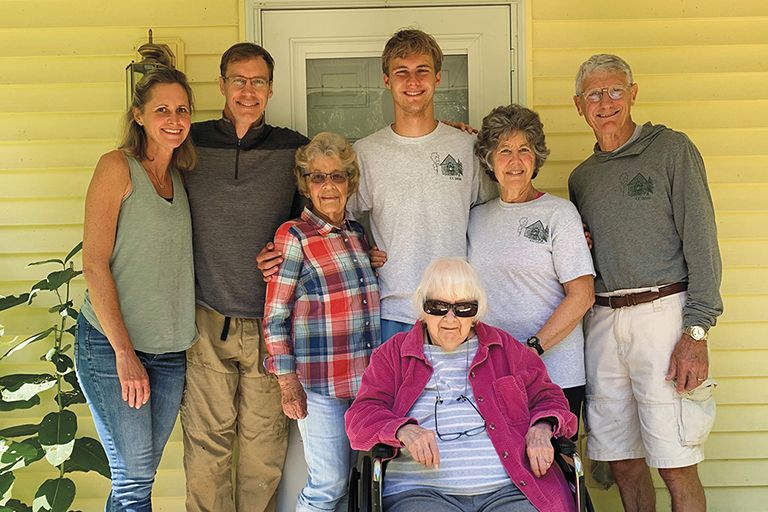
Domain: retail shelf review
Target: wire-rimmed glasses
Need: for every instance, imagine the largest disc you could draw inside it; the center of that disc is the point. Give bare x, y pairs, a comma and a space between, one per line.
452, 436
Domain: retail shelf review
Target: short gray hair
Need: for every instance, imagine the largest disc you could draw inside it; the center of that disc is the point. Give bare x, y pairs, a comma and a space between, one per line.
331, 145
503, 122
602, 62
450, 277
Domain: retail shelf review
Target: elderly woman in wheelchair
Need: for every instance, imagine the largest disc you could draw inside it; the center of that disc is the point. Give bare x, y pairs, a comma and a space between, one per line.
472, 409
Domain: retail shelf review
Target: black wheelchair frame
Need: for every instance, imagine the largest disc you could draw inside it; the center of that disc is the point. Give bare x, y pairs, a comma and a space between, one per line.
366, 483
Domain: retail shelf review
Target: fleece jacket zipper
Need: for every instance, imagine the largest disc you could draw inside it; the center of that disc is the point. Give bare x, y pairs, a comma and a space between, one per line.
237, 158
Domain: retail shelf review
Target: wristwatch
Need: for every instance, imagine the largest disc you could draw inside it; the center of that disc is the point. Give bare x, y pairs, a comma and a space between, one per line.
697, 332
535, 343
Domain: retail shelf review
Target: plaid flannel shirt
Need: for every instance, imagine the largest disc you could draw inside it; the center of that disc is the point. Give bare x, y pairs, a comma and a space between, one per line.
321, 316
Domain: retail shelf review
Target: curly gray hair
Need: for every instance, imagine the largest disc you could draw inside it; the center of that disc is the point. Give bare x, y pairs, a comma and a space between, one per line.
503, 122
602, 62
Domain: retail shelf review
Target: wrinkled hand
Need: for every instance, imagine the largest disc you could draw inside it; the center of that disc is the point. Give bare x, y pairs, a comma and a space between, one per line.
688, 364
539, 449
421, 444
378, 258
268, 261
292, 396
134, 382
460, 126
588, 236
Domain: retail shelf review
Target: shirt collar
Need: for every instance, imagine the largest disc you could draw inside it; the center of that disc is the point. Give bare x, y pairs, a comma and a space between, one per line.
322, 226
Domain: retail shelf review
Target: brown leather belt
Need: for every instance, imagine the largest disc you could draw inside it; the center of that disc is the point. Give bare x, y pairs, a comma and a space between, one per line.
623, 301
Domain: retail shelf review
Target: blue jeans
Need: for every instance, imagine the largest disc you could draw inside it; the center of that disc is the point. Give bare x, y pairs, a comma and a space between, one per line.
391, 327
327, 452
133, 438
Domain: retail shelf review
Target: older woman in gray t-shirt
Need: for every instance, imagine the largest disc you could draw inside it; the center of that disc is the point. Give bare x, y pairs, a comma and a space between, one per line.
529, 248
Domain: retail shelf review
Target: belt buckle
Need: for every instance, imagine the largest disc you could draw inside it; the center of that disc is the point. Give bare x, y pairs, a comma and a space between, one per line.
610, 302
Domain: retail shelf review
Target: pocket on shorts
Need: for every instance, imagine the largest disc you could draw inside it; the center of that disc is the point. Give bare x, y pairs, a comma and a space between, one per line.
697, 413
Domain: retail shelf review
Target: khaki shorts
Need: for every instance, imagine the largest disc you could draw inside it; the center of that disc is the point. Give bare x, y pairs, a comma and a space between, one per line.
632, 411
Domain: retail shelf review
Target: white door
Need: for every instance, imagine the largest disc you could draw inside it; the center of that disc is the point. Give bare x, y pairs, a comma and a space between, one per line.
328, 76
328, 72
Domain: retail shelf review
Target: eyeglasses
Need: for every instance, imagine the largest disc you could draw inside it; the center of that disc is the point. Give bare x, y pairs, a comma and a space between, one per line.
463, 309
239, 82
615, 92
318, 178
452, 436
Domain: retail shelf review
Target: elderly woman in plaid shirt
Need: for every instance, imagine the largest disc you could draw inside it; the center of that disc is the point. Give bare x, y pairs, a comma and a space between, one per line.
322, 315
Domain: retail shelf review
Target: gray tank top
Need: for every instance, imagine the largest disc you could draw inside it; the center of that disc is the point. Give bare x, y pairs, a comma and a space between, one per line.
152, 267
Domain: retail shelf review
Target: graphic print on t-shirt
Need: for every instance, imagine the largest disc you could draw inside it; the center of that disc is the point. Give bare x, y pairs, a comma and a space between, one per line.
535, 232
447, 166
638, 187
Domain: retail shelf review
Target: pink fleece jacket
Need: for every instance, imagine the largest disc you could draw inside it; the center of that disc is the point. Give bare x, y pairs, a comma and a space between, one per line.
512, 391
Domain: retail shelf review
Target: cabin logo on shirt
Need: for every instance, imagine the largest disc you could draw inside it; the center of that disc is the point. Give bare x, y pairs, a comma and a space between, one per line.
447, 166
638, 187
535, 232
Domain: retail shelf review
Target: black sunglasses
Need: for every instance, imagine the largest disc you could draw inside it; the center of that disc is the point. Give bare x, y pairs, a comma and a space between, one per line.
463, 309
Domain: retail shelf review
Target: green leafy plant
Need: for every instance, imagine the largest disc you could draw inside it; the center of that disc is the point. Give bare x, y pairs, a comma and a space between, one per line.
53, 438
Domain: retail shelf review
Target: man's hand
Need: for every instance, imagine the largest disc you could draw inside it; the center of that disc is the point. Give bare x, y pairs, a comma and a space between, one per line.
134, 382
688, 364
293, 398
588, 236
378, 258
268, 261
460, 126
421, 444
539, 449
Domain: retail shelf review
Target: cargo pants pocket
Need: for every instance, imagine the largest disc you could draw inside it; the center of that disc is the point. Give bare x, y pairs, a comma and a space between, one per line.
697, 413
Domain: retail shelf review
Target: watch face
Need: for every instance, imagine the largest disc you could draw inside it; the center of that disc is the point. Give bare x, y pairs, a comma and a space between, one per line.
697, 332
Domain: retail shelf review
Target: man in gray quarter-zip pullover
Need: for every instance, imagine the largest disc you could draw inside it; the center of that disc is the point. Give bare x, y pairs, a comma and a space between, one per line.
240, 192
644, 196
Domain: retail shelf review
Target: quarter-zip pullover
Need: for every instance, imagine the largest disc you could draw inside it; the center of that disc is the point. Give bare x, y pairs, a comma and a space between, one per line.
240, 192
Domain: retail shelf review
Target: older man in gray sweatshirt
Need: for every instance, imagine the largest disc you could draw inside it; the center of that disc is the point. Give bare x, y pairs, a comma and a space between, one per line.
644, 196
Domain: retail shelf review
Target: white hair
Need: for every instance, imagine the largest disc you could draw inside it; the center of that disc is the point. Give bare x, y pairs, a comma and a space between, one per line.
450, 277
602, 62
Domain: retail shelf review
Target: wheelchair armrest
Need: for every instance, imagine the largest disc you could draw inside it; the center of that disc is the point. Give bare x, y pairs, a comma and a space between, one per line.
383, 451
564, 445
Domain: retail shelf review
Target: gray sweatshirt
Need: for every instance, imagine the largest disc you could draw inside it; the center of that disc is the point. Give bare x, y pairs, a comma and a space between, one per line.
650, 213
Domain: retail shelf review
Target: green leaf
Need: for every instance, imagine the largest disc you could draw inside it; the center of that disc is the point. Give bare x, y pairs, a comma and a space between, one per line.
65, 348
63, 362
69, 398
20, 387
72, 313
57, 428
88, 455
76, 249
38, 286
72, 330
19, 430
55, 495
32, 339
12, 301
18, 455
54, 260
58, 308
13, 406
58, 278
6, 484
15, 506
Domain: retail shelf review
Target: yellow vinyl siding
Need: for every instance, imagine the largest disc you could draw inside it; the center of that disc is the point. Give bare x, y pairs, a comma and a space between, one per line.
702, 69
62, 96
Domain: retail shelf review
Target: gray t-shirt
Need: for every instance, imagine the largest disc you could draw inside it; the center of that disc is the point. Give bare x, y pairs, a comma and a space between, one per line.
523, 253
418, 191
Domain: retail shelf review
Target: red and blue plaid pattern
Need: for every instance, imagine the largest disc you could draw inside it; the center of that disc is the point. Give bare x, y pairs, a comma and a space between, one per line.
321, 317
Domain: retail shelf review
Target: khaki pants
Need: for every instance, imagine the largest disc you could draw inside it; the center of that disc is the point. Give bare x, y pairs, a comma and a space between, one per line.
228, 397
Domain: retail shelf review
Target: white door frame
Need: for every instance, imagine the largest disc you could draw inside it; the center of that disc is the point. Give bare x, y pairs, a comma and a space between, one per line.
253, 25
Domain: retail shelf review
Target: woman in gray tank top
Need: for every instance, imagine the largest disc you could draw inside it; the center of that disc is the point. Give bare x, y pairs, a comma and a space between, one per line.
138, 315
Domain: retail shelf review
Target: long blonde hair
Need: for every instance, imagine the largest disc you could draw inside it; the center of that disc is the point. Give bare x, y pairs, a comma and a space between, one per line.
134, 140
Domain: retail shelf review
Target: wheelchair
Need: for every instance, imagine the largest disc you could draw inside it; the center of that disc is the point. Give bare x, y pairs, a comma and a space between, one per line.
366, 480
